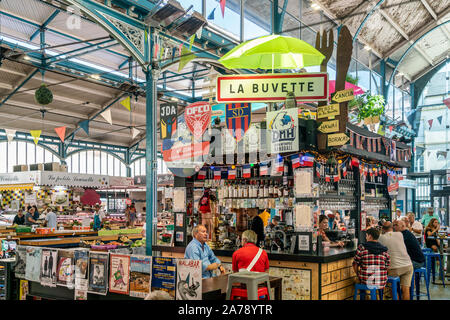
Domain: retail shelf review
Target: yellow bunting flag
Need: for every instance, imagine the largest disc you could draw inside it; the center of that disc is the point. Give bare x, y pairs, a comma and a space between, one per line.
35, 134
126, 103
191, 41
185, 58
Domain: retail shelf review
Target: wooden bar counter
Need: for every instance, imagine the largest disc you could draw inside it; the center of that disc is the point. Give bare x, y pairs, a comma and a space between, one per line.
329, 276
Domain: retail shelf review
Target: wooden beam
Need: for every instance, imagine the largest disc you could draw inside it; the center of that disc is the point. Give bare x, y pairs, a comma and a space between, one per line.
429, 9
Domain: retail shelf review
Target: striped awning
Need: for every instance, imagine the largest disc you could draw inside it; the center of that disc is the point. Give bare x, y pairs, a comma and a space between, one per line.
14, 187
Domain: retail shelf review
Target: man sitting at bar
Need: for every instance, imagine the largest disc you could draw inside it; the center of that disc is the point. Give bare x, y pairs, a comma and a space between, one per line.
198, 249
411, 243
250, 257
372, 261
256, 224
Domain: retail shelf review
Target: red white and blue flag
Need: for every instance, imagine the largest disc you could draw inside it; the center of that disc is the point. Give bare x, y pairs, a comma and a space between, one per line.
263, 169
318, 167
201, 174
217, 173
344, 170
307, 160
238, 118
295, 161
231, 173
278, 165
246, 171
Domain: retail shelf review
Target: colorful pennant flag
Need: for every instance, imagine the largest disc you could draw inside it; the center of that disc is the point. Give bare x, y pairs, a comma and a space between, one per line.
61, 132
198, 33
217, 173
263, 169
107, 116
278, 165
10, 133
307, 160
295, 161
35, 134
222, 7
211, 15
185, 58
201, 174
191, 42
231, 173
318, 167
447, 102
344, 170
430, 122
440, 119
247, 171
85, 126
134, 133
327, 178
126, 103
336, 179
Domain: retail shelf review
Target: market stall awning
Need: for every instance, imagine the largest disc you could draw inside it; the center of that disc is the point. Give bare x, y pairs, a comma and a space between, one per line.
15, 187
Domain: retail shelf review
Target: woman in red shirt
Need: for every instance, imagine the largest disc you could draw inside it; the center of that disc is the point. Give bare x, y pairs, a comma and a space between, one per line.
250, 257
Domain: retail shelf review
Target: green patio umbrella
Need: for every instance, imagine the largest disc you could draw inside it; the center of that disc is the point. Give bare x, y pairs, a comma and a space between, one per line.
272, 52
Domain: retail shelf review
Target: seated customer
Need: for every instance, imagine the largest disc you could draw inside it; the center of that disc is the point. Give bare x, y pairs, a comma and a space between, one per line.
415, 226
401, 265
372, 261
250, 257
323, 226
198, 249
19, 218
432, 231
411, 243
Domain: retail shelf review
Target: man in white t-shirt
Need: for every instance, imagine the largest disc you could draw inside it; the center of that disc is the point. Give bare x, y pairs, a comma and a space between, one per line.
401, 264
398, 214
414, 225
51, 219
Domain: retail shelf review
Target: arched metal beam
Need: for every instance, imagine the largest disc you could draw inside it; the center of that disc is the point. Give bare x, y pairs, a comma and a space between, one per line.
70, 154
409, 49
43, 146
379, 3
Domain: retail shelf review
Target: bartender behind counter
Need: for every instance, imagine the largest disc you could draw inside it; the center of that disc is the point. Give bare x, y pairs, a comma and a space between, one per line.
256, 224
323, 227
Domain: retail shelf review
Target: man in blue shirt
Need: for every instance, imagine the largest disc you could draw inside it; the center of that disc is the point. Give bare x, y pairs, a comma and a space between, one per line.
427, 217
197, 249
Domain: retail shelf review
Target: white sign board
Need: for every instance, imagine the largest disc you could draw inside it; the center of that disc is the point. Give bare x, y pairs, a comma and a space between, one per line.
121, 182
272, 87
19, 178
282, 130
73, 180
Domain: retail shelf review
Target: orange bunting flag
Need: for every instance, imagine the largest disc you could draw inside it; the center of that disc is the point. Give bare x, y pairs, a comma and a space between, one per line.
61, 132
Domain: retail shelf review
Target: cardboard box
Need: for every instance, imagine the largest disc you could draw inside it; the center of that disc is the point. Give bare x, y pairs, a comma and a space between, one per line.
37, 167
20, 167
63, 168
51, 166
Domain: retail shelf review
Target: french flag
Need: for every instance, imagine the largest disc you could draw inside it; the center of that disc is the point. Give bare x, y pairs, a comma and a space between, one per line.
201, 174
263, 169
279, 165
327, 178
336, 179
318, 166
344, 170
231, 173
217, 174
295, 161
307, 160
246, 172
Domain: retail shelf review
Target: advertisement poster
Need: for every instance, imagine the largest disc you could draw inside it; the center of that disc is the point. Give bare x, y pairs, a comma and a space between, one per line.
65, 270
282, 130
30, 198
33, 268
23, 290
168, 119
98, 273
48, 267
81, 262
21, 262
60, 199
119, 276
189, 279
80, 294
179, 220
140, 275
163, 275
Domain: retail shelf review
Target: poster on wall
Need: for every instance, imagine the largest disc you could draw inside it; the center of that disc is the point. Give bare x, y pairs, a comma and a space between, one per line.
189, 279
48, 267
23, 290
33, 268
60, 199
303, 179
21, 262
65, 270
119, 276
15, 205
140, 275
30, 198
81, 262
179, 199
98, 273
282, 130
163, 275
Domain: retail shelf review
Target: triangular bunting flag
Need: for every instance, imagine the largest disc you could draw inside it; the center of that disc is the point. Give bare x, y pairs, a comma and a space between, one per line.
222, 7
107, 116
446, 101
430, 122
126, 103
211, 15
10, 134
198, 33
440, 119
35, 134
85, 126
185, 58
61, 132
134, 132
191, 42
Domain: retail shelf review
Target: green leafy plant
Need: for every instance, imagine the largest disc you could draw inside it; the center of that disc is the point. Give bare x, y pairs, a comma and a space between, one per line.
43, 95
351, 80
367, 105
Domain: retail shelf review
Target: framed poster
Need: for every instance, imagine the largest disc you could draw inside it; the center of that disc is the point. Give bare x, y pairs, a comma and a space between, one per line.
179, 236
179, 199
65, 270
140, 275
98, 273
21, 262
48, 267
60, 199
304, 242
119, 273
33, 267
163, 275
282, 130
303, 179
189, 279
81, 262
179, 220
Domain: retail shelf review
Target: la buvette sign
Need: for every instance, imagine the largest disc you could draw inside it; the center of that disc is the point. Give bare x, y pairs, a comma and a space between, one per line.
272, 87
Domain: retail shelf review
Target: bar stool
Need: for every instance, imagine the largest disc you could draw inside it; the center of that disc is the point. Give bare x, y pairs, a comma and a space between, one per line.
362, 288
426, 250
430, 258
251, 281
419, 272
395, 283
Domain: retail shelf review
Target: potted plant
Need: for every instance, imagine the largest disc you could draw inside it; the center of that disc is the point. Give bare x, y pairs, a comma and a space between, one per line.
43, 95
368, 108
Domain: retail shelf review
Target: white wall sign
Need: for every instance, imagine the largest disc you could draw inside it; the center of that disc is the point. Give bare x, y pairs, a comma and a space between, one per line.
19, 178
74, 180
282, 130
272, 87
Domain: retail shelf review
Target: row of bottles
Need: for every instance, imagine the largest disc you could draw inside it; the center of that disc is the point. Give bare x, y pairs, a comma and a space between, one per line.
330, 170
256, 189
374, 178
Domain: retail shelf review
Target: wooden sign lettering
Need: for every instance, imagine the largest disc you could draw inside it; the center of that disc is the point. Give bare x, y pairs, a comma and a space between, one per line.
328, 111
337, 139
329, 126
343, 95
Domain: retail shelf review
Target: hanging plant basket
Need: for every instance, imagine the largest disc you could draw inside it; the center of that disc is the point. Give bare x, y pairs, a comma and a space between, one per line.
43, 95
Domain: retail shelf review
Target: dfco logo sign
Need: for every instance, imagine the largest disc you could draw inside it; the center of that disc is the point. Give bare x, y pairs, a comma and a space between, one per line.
198, 117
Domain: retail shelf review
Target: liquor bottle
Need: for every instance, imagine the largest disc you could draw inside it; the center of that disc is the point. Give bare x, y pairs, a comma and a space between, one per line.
266, 189
271, 189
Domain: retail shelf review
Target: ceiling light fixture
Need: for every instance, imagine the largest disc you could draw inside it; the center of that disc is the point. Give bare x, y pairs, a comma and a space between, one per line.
95, 76
367, 48
315, 6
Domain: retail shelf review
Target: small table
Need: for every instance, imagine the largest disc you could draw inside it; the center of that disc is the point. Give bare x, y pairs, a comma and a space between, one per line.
441, 251
211, 287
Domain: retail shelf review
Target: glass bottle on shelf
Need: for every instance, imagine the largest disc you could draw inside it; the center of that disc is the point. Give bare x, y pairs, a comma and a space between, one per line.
271, 195
265, 189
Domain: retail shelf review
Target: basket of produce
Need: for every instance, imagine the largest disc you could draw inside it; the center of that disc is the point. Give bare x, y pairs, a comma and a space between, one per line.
88, 244
22, 229
103, 247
